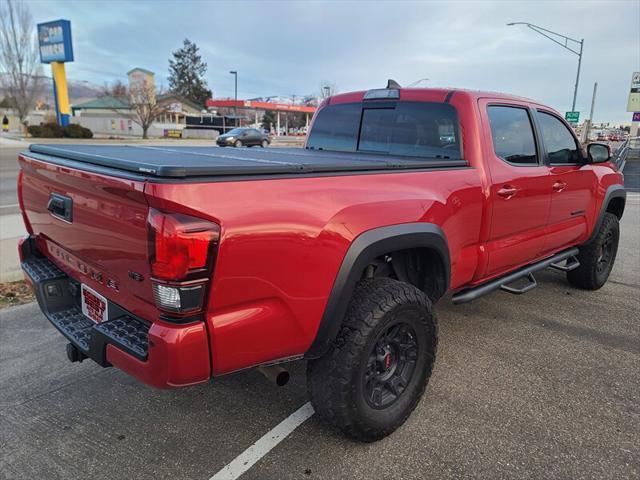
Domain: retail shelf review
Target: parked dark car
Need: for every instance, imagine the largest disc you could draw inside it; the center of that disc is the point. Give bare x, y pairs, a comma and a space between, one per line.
240, 137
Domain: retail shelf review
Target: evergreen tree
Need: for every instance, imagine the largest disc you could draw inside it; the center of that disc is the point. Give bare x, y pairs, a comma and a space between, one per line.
269, 120
186, 74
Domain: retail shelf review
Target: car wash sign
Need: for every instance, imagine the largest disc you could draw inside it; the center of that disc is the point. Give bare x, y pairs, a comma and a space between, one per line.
54, 40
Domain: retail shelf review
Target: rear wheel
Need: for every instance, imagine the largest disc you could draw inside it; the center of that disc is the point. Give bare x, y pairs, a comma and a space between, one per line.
377, 369
264, 144
238, 144
598, 256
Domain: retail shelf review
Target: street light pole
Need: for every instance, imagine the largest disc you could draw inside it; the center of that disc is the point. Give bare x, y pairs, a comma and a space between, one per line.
235, 105
550, 35
575, 90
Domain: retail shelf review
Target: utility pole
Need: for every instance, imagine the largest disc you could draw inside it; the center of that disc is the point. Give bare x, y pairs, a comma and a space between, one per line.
235, 105
593, 102
564, 43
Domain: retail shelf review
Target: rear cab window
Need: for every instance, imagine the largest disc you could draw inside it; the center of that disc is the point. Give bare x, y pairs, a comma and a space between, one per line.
411, 129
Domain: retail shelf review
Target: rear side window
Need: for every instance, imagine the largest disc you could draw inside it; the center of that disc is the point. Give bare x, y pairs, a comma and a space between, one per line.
559, 142
417, 129
512, 135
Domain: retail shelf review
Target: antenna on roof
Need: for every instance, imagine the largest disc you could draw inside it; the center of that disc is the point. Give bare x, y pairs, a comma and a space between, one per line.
393, 84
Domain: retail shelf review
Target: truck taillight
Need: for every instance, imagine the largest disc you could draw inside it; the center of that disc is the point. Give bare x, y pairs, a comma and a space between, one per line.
182, 251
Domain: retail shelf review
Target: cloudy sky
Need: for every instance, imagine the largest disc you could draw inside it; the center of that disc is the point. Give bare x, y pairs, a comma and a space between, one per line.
288, 48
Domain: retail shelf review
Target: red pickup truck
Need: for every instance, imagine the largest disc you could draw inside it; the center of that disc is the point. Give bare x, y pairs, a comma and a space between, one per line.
179, 264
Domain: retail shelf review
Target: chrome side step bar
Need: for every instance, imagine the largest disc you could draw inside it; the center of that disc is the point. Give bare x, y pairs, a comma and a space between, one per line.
470, 294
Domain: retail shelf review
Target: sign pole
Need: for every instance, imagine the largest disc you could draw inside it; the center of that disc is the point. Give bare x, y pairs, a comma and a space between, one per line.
63, 112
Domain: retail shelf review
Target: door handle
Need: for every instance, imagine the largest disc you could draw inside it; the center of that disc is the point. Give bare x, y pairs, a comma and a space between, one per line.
559, 186
507, 191
60, 206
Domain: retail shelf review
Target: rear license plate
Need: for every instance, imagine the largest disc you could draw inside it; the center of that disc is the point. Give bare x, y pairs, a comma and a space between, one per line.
94, 305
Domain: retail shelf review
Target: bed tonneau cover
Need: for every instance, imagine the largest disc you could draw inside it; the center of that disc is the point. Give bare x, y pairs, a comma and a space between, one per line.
188, 161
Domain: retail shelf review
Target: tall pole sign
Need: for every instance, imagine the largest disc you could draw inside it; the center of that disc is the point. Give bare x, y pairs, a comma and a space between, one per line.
54, 40
633, 104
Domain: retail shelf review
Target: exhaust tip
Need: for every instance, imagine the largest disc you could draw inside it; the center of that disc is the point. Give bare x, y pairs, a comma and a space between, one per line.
74, 354
282, 378
275, 374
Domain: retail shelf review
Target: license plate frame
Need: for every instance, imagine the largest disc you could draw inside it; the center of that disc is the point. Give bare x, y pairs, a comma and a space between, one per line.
94, 306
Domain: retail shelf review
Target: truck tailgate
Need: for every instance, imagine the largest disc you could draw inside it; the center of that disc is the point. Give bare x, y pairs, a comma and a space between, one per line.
94, 227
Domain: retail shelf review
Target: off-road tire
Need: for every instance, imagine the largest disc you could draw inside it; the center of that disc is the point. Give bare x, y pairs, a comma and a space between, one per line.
596, 261
336, 381
237, 144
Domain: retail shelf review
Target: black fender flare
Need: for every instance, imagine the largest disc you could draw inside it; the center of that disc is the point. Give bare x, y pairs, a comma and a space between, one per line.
614, 191
366, 247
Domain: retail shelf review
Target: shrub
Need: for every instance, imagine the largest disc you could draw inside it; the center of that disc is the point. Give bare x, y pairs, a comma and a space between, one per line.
77, 131
34, 130
51, 130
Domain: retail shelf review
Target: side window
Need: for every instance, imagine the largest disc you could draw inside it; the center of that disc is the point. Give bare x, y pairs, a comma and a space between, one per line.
558, 140
512, 134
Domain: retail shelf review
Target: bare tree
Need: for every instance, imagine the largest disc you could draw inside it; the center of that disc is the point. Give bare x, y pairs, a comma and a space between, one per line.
20, 68
138, 103
116, 89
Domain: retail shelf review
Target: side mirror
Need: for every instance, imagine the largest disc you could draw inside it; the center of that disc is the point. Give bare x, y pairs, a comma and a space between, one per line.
598, 152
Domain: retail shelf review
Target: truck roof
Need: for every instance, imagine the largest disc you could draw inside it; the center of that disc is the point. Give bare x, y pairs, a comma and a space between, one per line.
430, 95
181, 162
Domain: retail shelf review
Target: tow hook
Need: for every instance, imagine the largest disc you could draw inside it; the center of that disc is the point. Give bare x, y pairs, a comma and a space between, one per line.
275, 374
74, 354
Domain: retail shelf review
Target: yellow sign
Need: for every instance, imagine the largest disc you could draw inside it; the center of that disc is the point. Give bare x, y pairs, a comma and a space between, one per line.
172, 133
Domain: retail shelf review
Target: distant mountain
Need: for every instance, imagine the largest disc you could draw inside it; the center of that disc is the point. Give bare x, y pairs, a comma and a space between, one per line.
79, 91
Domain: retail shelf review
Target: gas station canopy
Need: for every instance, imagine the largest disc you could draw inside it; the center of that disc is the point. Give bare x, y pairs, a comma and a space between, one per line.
255, 105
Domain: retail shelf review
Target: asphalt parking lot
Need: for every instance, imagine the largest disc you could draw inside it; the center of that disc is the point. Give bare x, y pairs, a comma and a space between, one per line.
544, 385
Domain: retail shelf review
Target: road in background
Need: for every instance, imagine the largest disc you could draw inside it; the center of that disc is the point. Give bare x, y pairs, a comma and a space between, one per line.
8, 177
11, 225
632, 176
542, 385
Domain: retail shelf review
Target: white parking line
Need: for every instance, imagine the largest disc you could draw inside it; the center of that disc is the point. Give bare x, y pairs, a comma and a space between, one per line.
269, 440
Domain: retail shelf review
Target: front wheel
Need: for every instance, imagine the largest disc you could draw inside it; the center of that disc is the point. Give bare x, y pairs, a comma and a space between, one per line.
376, 370
264, 144
238, 144
598, 256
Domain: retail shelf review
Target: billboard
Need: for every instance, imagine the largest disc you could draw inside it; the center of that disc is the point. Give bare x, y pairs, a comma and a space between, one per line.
54, 41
